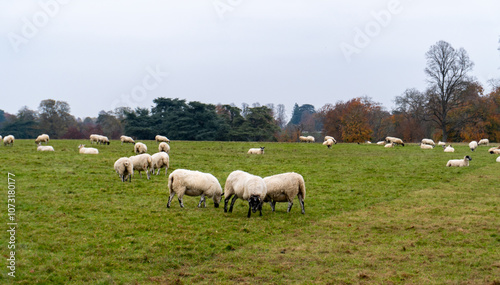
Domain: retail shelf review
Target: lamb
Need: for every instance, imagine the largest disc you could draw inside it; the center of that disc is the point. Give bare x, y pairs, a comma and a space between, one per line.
484, 141
193, 183
160, 160
126, 139
426, 146
440, 143
328, 143
245, 186
142, 162
394, 140
256, 150
283, 188
448, 148
8, 140
124, 168
473, 145
163, 146
331, 138
44, 147
42, 138
87, 150
459, 162
159, 138
428, 141
140, 148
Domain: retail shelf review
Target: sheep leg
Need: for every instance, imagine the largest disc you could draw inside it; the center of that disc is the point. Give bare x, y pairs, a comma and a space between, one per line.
260, 208
122, 177
301, 201
149, 174
272, 203
180, 201
170, 199
232, 203
158, 172
225, 202
202, 200
249, 211
290, 204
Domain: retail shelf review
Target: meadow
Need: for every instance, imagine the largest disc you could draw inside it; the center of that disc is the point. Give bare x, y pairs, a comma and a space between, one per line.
373, 216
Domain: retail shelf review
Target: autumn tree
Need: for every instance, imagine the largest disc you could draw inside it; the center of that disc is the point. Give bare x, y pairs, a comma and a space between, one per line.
55, 117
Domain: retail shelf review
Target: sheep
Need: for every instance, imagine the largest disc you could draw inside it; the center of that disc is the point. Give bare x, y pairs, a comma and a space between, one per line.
328, 143
0, 137
160, 159
448, 148
493, 148
194, 183
303, 139
94, 138
8, 140
484, 141
42, 138
440, 143
103, 140
159, 138
126, 139
142, 162
389, 145
498, 159
283, 188
41, 147
459, 162
245, 186
473, 145
426, 146
495, 151
394, 140
331, 138
124, 168
87, 150
368, 142
381, 143
164, 147
256, 150
310, 139
140, 148
428, 141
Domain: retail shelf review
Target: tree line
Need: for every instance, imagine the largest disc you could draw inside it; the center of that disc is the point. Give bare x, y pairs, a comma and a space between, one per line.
452, 108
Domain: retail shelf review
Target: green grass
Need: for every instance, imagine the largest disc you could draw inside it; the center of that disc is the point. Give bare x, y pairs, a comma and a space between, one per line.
373, 215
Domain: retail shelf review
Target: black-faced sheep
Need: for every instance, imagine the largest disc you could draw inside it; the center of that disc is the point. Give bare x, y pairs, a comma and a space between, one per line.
283, 188
140, 148
125, 169
160, 160
87, 150
193, 183
330, 138
473, 145
492, 150
459, 162
329, 143
256, 150
245, 186
142, 162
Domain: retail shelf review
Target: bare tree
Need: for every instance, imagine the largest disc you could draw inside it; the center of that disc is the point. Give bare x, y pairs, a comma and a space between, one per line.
280, 116
447, 70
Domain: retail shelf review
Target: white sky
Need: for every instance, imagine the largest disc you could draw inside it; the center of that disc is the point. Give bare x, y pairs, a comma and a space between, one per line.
101, 54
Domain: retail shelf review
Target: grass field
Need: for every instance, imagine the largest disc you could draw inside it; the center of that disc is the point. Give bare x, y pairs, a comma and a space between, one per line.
373, 215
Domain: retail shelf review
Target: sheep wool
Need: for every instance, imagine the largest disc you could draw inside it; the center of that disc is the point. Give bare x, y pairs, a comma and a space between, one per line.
159, 138
328, 143
459, 162
495, 151
125, 169
194, 183
256, 150
44, 147
42, 138
160, 160
473, 145
381, 143
498, 159
492, 149
163, 146
126, 139
8, 140
283, 188
484, 141
428, 141
245, 186
440, 143
87, 150
142, 162
330, 138
448, 149
426, 146
140, 148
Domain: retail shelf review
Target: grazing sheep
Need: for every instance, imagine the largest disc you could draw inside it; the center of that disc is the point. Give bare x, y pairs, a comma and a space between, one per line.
310, 139
448, 148
329, 143
160, 160
87, 150
159, 138
94, 138
381, 143
426, 146
142, 162
163, 146
389, 145
428, 141
126, 139
394, 140
484, 141
256, 150
42, 138
331, 138
245, 186
103, 140
8, 140
140, 148
193, 183
473, 145
283, 188
303, 139
495, 151
459, 162
440, 143
124, 168
44, 147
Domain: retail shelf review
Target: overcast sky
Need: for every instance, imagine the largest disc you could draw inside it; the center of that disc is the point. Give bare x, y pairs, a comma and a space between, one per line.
102, 54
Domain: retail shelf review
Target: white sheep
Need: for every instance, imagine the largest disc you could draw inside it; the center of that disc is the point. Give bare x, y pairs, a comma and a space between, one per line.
394, 140
283, 188
473, 145
448, 148
126, 139
310, 139
8, 140
42, 138
389, 145
140, 148
495, 151
329, 143
159, 138
41, 147
245, 186
160, 160
493, 148
303, 139
484, 141
428, 141
331, 138
256, 150
163, 146
426, 146
142, 162
381, 143
459, 162
94, 138
440, 143
103, 140
124, 168
498, 159
87, 150
194, 183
